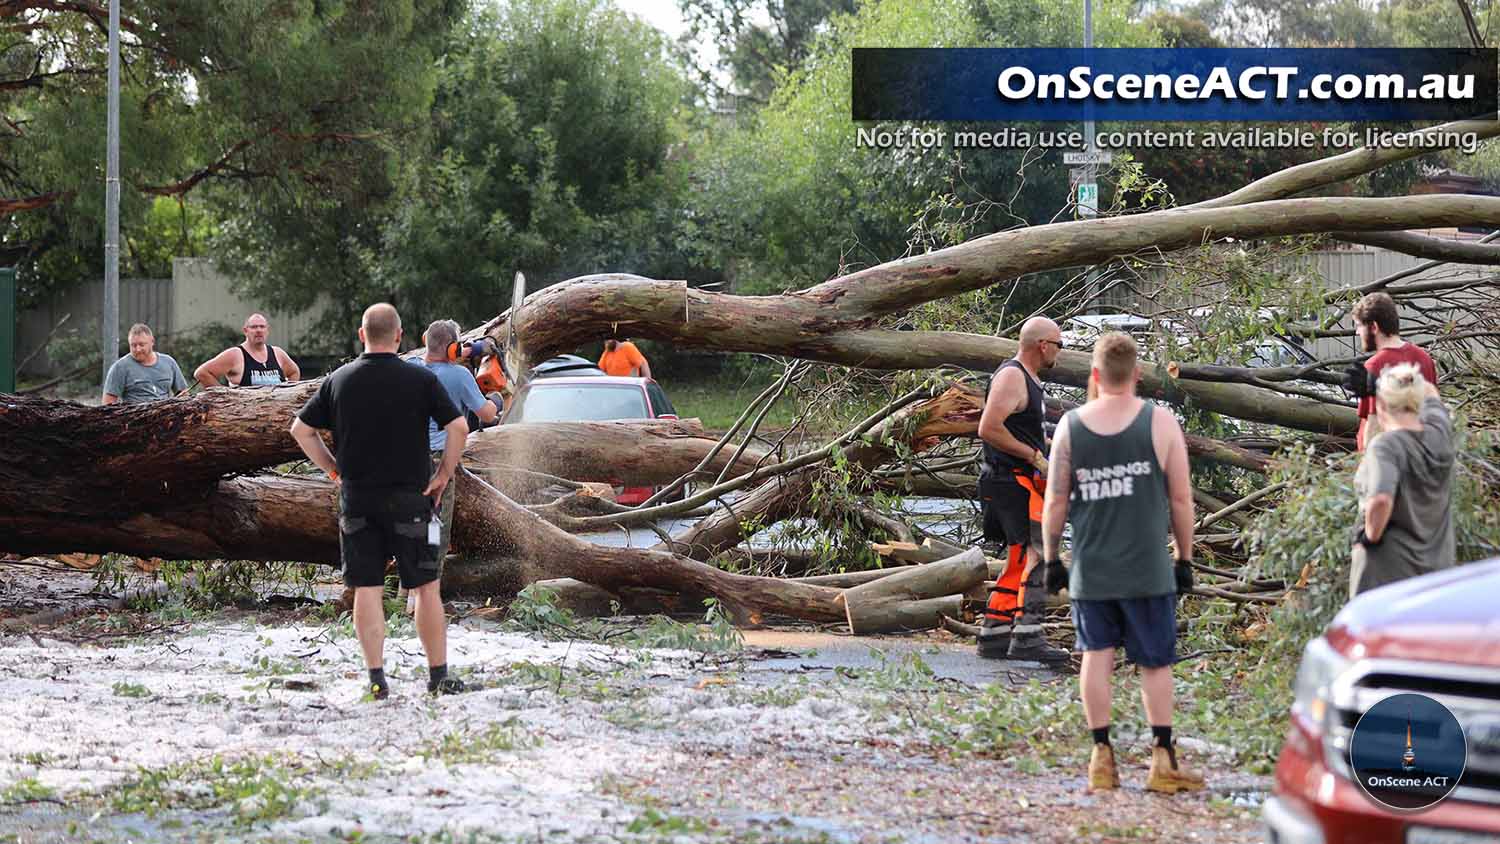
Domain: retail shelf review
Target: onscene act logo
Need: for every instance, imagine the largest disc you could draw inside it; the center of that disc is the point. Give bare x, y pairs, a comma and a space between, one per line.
1408, 752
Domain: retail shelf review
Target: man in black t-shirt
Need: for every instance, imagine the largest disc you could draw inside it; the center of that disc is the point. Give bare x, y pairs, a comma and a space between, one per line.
378, 407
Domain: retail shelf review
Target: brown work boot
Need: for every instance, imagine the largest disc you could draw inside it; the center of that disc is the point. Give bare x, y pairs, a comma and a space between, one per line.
1102, 773
1168, 777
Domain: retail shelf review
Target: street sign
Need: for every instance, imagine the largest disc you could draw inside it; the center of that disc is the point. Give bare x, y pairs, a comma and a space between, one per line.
1088, 199
1095, 157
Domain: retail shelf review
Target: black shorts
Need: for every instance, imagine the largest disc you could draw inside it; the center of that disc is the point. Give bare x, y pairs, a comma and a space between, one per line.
1007, 511
374, 529
1147, 627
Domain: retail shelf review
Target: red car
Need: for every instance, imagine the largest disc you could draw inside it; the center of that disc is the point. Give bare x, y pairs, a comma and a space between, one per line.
592, 398
1437, 635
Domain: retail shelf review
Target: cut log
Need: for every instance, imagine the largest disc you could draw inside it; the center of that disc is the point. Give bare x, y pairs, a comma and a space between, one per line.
643, 453
913, 599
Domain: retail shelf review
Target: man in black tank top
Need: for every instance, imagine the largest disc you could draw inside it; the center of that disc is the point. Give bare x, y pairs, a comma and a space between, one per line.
253, 363
1011, 483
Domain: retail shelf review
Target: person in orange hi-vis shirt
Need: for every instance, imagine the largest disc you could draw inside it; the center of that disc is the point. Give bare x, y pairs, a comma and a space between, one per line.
621, 357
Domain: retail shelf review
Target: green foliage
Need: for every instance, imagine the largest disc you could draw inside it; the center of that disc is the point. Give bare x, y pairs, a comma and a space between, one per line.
481, 747
253, 789
171, 228
127, 689
755, 55
650, 821
191, 348
255, 97
551, 128
1041, 719
716, 634
1305, 542
1308, 533
535, 610
790, 200
27, 790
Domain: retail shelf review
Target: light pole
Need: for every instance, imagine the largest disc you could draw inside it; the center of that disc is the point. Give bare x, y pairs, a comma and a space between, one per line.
109, 341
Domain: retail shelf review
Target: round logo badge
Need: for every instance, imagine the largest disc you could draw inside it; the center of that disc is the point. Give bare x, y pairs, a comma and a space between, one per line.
1408, 752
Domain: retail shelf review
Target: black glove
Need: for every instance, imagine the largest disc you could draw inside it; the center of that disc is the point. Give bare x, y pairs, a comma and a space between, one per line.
1183, 572
478, 349
1361, 539
1054, 577
1358, 381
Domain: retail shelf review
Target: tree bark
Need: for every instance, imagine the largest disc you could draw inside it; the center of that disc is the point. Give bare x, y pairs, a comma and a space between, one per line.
644, 453
1426, 246
267, 518
913, 599
112, 462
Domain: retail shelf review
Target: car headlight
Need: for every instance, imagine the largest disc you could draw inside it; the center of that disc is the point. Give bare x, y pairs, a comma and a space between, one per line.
1321, 665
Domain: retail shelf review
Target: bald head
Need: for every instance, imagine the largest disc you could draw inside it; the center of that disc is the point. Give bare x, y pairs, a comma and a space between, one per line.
381, 326
1037, 329
1041, 341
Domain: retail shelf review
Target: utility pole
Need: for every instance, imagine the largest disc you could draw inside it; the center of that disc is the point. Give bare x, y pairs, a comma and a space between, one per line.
109, 342
1083, 180
1088, 189
1088, 44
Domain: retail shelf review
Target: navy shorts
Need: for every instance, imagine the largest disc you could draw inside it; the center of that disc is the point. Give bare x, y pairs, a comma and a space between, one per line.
1147, 627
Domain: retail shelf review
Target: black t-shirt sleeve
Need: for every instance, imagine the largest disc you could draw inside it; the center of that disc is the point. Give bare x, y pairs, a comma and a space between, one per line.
318, 412
442, 408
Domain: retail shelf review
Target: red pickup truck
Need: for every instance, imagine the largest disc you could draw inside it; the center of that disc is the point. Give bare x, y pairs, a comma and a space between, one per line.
1437, 635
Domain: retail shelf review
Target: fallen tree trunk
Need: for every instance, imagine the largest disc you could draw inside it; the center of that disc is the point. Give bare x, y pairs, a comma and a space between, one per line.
835, 321
639, 453
913, 599
75, 463
489, 524
267, 518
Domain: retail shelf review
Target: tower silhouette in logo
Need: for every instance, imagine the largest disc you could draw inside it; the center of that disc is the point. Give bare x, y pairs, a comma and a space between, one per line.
1409, 758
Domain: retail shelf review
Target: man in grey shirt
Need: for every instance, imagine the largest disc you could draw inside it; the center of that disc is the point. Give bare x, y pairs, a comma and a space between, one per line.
143, 375
1405, 485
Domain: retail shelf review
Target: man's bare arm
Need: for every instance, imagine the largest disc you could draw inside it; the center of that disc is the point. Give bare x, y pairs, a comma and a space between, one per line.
645, 369
1007, 395
488, 412
1059, 487
289, 367
312, 445
219, 366
1179, 479
453, 449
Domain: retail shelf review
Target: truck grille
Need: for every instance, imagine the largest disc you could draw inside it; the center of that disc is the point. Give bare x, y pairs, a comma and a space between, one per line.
1472, 693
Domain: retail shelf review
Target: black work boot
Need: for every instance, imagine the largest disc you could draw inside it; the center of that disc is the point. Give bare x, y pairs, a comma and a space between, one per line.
994, 638
1026, 640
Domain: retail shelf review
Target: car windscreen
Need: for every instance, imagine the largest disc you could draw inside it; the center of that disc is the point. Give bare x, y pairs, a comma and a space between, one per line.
581, 403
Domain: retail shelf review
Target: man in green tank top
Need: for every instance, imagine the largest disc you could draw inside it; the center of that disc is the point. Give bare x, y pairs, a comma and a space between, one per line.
1120, 478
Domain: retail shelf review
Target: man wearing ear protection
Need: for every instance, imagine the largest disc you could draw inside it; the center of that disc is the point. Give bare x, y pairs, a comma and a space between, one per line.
442, 349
